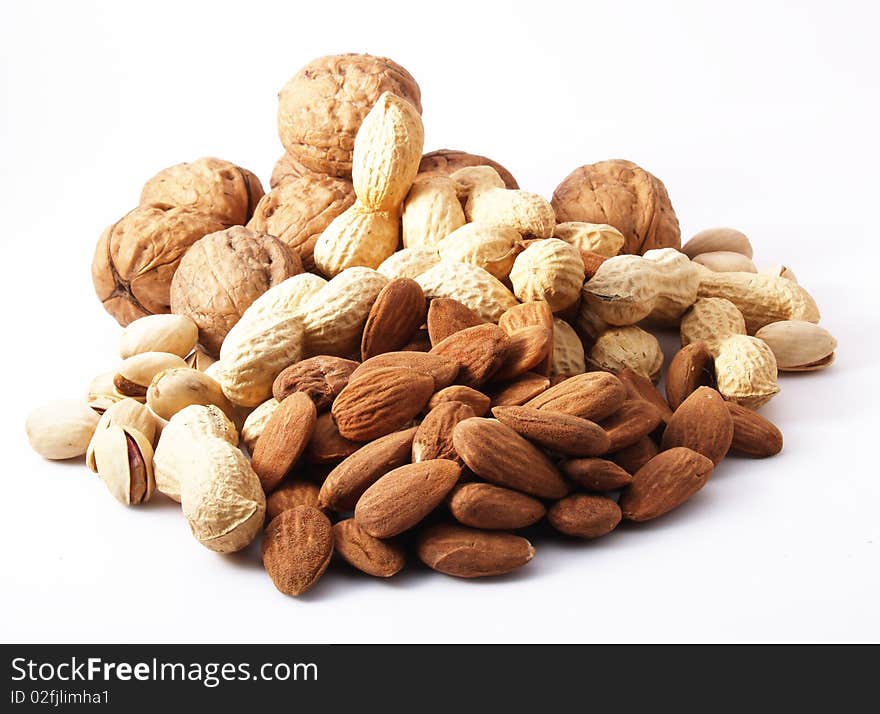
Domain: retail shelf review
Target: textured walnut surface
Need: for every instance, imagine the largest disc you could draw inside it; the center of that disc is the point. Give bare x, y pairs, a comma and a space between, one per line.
298, 211
286, 168
210, 185
136, 257
623, 195
222, 274
445, 161
322, 106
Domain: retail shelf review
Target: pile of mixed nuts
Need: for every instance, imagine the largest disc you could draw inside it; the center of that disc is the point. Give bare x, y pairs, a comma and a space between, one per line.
417, 355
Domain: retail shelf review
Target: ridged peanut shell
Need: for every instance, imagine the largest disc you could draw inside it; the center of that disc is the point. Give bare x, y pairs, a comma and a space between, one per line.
470, 285
491, 247
599, 238
745, 371
528, 213
711, 320
409, 263
549, 270
431, 212
629, 347
357, 237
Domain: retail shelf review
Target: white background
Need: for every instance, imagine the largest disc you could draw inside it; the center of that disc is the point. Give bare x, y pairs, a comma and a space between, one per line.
759, 116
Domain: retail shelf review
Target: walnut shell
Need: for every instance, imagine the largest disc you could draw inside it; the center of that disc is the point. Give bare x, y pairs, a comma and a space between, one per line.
322, 106
222, 274
446, 161
298, 211
136, 257
210, 185
286, 168
623, 195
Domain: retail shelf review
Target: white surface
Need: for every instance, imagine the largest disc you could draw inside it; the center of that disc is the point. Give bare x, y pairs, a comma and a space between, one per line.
763, 117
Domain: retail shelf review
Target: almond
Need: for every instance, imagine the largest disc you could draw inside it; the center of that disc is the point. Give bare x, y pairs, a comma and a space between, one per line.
665, 482
441, 369
395, 317
322, 378
346, 483
297, 547
691, 367
702, 423
753, 435
593, 396
482, 505
596, 474
291, 494
526, 350
479, 352
380, 402
633, 457
470, 553
640, 387
527, 314
591, 261
418, 343
328, 446
563, 433
447, 316
433, 439
633, 421
284, 439
584, 515
496, 453
379, 558
403, 497
520, 391
477, 401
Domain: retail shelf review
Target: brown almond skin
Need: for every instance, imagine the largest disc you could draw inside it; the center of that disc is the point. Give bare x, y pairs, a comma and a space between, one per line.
596, 474
520, 391
297, 547
284, 439
664, 483
562, 433
632, 422
633, 457
584, 515
482, 505
433, 439
380, 402
593, 396
479, 352
396, 315
346, 483
418, 343
447, 316
328, 446
753, 434
442, 370
702, 423
469, 553
640, 387
496, 453
526, 350
691, 367
291, 494
379, 558
403, 497
526, 314
322, 378
477, 401
592, 261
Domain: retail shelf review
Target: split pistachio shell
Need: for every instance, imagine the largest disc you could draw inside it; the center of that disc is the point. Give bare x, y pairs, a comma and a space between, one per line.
173, 389
200, 360
726, 261
175, 334
599, 238
103, 393
780, 271
799, 346
256, 422
135, 373
62, 429
189, 424
128, 414
714, 239
124, 458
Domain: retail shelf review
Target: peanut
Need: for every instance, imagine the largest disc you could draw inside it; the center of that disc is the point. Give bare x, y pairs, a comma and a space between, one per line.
431, 211
549, 270
470, 285
599, 238
628, 347
492, 248
409, 263
745, 371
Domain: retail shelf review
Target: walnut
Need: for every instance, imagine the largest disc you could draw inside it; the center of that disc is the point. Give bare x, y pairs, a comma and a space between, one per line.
299, 210
222, 274
136, 257
446, 161
287, 168
321, 108
209, 185
623, 195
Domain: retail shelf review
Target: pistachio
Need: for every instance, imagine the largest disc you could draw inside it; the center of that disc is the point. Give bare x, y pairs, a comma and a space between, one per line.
799, 346
175, 334
256, 420
173, 389
103, 393
128, 414
200, 360
782, 271
61, 430
726, 261
135, 373
124, 458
